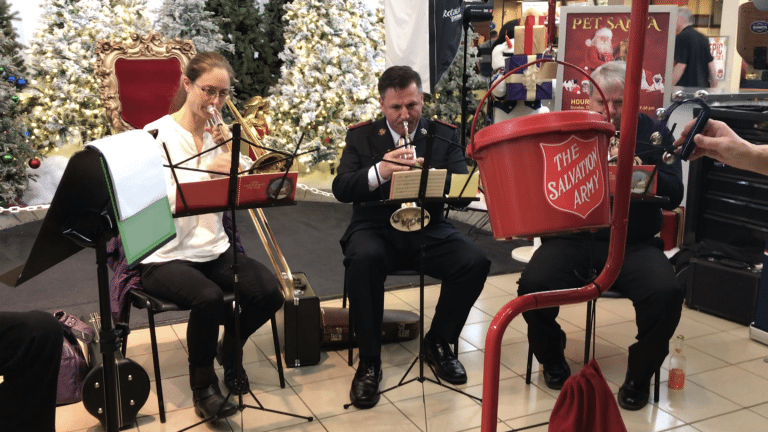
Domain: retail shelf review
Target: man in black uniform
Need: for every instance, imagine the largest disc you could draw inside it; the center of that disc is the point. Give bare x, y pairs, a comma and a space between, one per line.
373, 247
694, 64
647, 278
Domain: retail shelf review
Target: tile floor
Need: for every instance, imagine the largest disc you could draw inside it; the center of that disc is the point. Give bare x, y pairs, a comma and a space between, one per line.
726, 388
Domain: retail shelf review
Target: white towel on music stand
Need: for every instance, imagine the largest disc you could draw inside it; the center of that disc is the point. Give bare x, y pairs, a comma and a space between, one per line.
135, 170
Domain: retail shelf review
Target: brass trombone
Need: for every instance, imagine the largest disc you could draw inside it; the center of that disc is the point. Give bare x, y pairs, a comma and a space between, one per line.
267, 162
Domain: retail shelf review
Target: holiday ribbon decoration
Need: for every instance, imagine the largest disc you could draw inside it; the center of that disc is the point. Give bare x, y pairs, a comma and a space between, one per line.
531, 83
530, 75
530, 38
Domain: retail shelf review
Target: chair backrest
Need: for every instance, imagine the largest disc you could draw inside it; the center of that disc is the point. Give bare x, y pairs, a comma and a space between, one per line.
140, 78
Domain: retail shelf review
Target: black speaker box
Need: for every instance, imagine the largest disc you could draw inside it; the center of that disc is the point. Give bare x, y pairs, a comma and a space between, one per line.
723, 288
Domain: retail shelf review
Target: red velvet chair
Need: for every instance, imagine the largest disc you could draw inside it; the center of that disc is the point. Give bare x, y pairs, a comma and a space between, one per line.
140, 78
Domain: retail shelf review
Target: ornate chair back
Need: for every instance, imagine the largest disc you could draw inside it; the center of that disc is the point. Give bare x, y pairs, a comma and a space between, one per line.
140, 78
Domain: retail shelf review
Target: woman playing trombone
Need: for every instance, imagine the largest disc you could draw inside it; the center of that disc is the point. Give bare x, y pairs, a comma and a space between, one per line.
195, 269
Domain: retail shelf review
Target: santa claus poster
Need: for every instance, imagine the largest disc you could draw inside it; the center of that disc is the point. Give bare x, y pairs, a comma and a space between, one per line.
591, 36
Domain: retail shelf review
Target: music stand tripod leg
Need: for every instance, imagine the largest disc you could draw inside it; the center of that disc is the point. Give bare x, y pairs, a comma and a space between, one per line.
108, 336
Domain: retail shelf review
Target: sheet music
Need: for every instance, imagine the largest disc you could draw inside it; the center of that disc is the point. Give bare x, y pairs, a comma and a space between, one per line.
457, 185
405, 184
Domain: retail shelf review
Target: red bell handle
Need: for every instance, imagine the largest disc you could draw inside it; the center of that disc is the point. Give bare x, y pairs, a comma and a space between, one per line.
514, 71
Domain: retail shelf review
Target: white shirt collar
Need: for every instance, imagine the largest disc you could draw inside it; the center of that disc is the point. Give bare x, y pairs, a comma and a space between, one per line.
396, 135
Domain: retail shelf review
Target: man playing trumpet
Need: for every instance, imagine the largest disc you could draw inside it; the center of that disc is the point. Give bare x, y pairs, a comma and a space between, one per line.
373, 248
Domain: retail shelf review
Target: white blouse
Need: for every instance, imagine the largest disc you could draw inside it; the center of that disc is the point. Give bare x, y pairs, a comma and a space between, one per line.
199, 238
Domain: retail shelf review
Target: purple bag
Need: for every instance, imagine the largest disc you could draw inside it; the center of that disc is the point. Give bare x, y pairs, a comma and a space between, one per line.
74, 366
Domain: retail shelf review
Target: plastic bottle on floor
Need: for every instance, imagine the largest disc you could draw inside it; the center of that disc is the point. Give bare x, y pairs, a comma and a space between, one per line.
677, 366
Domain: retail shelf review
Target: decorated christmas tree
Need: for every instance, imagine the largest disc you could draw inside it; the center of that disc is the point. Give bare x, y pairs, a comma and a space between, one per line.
240, 27
270, 41
65, 89
445, 101
188, 19
255, 31
10, 46
333, 57
15, 151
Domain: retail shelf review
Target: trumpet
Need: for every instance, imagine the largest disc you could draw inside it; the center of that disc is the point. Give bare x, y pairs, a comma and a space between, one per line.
408, 216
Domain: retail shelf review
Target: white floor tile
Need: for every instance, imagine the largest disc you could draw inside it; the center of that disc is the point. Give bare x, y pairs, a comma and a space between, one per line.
649, 419
694, 403
381, 418
725, 388
742, 421
444, 412
735, 384
506, 282
729, 347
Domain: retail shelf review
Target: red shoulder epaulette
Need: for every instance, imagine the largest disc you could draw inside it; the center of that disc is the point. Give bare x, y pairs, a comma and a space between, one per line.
450, 125
361, 124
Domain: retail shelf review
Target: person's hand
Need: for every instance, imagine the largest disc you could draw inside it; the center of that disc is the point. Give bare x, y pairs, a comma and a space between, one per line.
219, 134
717, 141
221, 165
400, 159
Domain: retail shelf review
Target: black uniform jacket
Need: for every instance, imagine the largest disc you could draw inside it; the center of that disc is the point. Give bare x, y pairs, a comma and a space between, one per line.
366, 145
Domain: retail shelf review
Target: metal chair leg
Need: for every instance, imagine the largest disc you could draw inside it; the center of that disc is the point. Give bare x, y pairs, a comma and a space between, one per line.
351, 324
590, 328
278, 356
156, 363
529, 366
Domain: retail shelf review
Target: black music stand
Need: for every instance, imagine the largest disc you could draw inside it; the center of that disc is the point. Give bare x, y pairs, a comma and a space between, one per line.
82, 215
274, 196
422, 199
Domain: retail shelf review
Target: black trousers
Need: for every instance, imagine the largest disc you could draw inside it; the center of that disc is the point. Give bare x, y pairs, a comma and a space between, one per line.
200, 287
30, 356
370, 255
646, 277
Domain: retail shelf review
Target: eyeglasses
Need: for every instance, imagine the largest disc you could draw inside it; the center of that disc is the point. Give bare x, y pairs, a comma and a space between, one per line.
212, 92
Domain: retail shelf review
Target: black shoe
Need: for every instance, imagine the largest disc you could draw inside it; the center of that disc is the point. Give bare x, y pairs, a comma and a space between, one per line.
365, 385
633, 394
437, 352
555, 374
225, 355
206, 395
